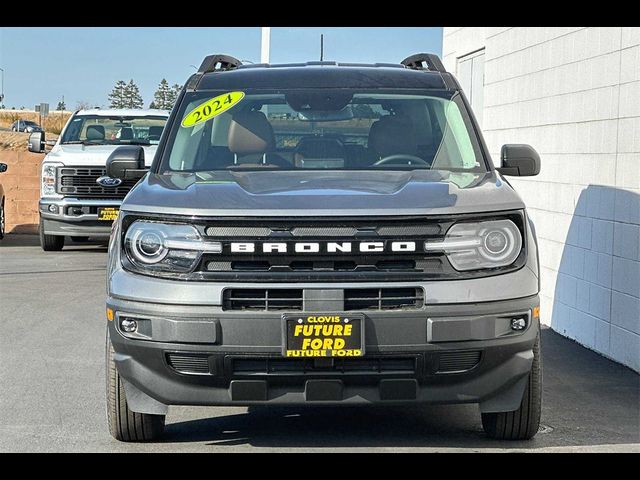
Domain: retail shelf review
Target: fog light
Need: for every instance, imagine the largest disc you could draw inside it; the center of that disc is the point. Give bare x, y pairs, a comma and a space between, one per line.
128, 325
53, 208
518, 324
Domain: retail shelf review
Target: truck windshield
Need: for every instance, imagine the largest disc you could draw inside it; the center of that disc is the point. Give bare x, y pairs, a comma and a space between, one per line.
104, 130
335, 129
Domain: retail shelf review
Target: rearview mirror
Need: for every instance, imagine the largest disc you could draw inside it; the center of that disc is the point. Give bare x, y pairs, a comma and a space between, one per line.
36, 142
3, 167
519, 160
126, 162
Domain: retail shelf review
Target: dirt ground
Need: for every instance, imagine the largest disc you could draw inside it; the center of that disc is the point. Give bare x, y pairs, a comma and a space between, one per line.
17, 141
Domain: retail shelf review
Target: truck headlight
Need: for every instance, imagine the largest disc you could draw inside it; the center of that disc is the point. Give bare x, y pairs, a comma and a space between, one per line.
49, 172
165, 247
471, 246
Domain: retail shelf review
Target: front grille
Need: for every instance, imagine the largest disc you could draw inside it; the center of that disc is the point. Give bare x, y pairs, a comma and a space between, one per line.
355, 299
362, 365
383, 298
193, 363
81, 182
457, 362
350, 264
276, 249
262, 299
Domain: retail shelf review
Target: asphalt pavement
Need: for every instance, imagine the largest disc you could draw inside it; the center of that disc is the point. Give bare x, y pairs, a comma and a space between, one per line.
52, 332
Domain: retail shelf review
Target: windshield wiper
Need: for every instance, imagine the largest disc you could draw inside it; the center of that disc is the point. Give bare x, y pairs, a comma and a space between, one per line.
137, 142
80, 142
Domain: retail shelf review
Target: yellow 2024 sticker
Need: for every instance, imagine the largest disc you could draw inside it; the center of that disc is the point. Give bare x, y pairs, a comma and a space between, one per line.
212, 108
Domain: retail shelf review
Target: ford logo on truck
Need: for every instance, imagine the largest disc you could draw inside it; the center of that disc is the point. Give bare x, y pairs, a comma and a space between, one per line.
109, 182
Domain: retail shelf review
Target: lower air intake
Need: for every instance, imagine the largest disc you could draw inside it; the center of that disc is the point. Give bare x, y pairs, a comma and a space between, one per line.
192, 363
458, 362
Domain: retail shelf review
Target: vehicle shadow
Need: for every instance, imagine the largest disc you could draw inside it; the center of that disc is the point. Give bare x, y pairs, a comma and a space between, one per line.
30, 240
572, 415
597, 287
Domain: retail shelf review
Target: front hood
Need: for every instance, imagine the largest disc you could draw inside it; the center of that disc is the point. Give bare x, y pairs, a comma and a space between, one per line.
317, 193
83, 155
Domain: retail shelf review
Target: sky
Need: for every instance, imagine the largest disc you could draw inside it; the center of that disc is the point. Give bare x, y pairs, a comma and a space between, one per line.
83, 64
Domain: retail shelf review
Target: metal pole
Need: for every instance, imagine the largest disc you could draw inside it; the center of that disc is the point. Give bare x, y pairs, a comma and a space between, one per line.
321, 47
2, 88
265, 46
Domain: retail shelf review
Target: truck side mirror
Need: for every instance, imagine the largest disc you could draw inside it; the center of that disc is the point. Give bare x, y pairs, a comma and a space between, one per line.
126, 162
3, 167
36, 142
519, 160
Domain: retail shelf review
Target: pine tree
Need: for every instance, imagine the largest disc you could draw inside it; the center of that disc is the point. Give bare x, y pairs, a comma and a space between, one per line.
117, 97
132, 96
175, 91
152, 105
163, 96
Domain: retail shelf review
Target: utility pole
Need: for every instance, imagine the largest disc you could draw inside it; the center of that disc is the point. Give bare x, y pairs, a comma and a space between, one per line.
2, 88
266, 40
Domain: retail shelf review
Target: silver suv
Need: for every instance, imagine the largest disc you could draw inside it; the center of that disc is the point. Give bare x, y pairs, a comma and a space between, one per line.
317, 234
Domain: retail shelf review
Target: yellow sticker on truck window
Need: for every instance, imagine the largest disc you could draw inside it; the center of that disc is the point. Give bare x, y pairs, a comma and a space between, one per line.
211, 108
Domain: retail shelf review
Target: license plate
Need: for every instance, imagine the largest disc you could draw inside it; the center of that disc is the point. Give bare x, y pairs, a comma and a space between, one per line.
107, 214
323, 335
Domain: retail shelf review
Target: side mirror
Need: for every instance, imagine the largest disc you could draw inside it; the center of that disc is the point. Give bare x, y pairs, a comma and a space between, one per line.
519, 160
36, 142
3, 167
126, 162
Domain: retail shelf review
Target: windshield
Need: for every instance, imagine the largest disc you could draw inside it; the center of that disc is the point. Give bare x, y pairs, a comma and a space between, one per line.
117, 130
322, 129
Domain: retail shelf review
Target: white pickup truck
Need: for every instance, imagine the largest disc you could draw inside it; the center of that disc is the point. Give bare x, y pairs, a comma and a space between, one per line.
77, 200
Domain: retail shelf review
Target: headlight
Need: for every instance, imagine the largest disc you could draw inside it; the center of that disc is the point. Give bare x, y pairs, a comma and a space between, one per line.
471, 246
165, 247
48, 187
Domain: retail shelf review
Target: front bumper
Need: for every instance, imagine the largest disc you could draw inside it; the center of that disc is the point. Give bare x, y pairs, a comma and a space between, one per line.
75, 216
234, 358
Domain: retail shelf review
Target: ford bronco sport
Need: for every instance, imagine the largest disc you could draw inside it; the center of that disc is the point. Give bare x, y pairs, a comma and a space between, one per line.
322, 234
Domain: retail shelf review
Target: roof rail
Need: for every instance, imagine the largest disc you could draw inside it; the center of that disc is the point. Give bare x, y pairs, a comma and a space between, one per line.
424, 61
218, 63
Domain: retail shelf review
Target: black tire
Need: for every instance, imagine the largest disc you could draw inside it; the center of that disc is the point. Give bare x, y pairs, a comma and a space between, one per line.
2, 219
79, 239
523, 423
124, 424
50, 243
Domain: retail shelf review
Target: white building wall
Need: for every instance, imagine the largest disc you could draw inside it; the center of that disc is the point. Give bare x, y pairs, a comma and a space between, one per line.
574, 94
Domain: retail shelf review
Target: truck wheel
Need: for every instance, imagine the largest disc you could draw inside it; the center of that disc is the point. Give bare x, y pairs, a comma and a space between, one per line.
124, 424
50, 243
523, 423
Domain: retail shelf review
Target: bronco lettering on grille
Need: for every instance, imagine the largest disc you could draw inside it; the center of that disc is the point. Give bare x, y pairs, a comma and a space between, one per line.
323, 247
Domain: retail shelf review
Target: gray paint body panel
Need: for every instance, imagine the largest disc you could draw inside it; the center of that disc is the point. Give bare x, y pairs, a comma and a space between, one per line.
319, 193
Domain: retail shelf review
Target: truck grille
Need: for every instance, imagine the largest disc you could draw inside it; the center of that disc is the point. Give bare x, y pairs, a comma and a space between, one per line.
355, 299
81, 182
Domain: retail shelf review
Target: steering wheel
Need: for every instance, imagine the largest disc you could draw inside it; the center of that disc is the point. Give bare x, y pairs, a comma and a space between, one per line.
408, 159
